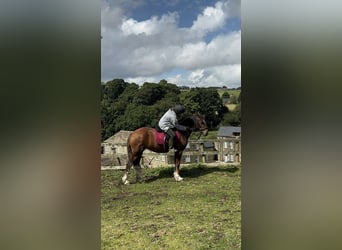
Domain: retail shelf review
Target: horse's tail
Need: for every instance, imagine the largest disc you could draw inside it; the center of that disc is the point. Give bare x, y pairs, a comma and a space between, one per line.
129, 154
129, 162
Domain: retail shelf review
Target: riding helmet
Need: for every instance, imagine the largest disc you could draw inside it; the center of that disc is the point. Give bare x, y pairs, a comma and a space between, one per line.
179, 109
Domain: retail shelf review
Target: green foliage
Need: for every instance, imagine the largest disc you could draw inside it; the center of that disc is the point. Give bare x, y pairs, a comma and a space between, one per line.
232, 118
211, 135
225, 95
148, 94
134, 117
128, 95
233, 100
126, 106
207, 102
113, 89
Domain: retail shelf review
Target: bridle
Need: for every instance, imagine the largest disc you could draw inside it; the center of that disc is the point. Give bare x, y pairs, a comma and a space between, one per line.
198, 128
202, 129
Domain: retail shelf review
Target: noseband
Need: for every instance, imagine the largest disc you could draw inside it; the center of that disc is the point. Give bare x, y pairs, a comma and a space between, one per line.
197, 126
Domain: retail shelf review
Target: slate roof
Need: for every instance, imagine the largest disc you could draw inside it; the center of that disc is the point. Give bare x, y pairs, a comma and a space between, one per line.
208, 144
228, 131
119, 138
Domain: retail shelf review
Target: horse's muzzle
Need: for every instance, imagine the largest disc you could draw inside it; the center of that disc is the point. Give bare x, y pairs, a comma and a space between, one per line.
204, 132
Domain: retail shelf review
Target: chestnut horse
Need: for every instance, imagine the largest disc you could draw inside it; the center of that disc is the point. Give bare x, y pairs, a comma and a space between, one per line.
144, 138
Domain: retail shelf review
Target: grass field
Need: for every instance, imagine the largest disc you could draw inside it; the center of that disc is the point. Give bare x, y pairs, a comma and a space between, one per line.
211, 135
201, 212
235, 92
231, 107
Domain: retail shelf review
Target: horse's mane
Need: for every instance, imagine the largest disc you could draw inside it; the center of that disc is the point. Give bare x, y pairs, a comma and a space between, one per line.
188, 122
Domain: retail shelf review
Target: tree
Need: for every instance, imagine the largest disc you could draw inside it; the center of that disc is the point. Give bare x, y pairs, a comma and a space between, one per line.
205, 101
148, 94
110, 112
232, 118
113, 89
233, 99
135, 116
225, 95
170, 91
129, 93
128, 106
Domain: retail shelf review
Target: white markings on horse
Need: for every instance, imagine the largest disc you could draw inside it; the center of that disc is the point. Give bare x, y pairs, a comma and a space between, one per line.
177, 176
124, 179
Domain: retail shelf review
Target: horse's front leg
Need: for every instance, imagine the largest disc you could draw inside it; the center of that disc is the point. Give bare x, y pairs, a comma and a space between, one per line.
178, 156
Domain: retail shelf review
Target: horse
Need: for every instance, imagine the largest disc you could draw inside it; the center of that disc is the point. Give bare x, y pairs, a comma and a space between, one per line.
145, 138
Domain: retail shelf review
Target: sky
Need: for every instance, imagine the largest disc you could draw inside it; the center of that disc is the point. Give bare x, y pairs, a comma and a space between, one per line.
195, 43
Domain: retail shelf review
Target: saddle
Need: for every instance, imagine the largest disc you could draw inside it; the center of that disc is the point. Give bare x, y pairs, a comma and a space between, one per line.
161, 136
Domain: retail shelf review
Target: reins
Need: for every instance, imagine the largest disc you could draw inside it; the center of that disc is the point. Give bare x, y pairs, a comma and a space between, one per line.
197, 128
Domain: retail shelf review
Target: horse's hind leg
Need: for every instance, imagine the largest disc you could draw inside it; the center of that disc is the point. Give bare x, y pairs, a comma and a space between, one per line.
125, 177
134, 156
178, 156
137, 168
128, 166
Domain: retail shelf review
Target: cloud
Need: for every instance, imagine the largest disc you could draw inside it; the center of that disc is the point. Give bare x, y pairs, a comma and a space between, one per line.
211, 19
141, 80
140, 51
228, 75
151, 26
224, 49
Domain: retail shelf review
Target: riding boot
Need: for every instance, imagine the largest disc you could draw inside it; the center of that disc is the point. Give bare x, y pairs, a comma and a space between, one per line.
171, 135
171, 142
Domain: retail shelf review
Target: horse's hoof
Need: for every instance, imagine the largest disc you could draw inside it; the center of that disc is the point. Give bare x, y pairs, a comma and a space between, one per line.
177, 177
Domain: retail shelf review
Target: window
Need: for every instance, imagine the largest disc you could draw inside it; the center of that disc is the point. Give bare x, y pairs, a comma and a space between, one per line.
187, 158
225, 145
163, 157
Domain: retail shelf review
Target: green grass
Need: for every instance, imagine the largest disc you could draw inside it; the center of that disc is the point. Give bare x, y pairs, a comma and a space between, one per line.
201, 212
231, 107
211, 135
235, 92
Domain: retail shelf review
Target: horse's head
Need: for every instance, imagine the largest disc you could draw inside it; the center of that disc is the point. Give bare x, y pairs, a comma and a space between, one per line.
200, 124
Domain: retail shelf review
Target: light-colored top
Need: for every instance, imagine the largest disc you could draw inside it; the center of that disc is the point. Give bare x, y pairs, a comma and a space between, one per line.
168, 120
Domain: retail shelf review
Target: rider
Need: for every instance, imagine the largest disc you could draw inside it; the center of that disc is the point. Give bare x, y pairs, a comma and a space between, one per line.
168, 122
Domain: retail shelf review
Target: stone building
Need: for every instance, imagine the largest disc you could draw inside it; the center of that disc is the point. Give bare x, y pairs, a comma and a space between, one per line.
114, 149
226, 148
229, 144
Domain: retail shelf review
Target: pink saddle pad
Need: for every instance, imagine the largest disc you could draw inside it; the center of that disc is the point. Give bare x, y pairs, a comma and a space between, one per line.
160, 136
